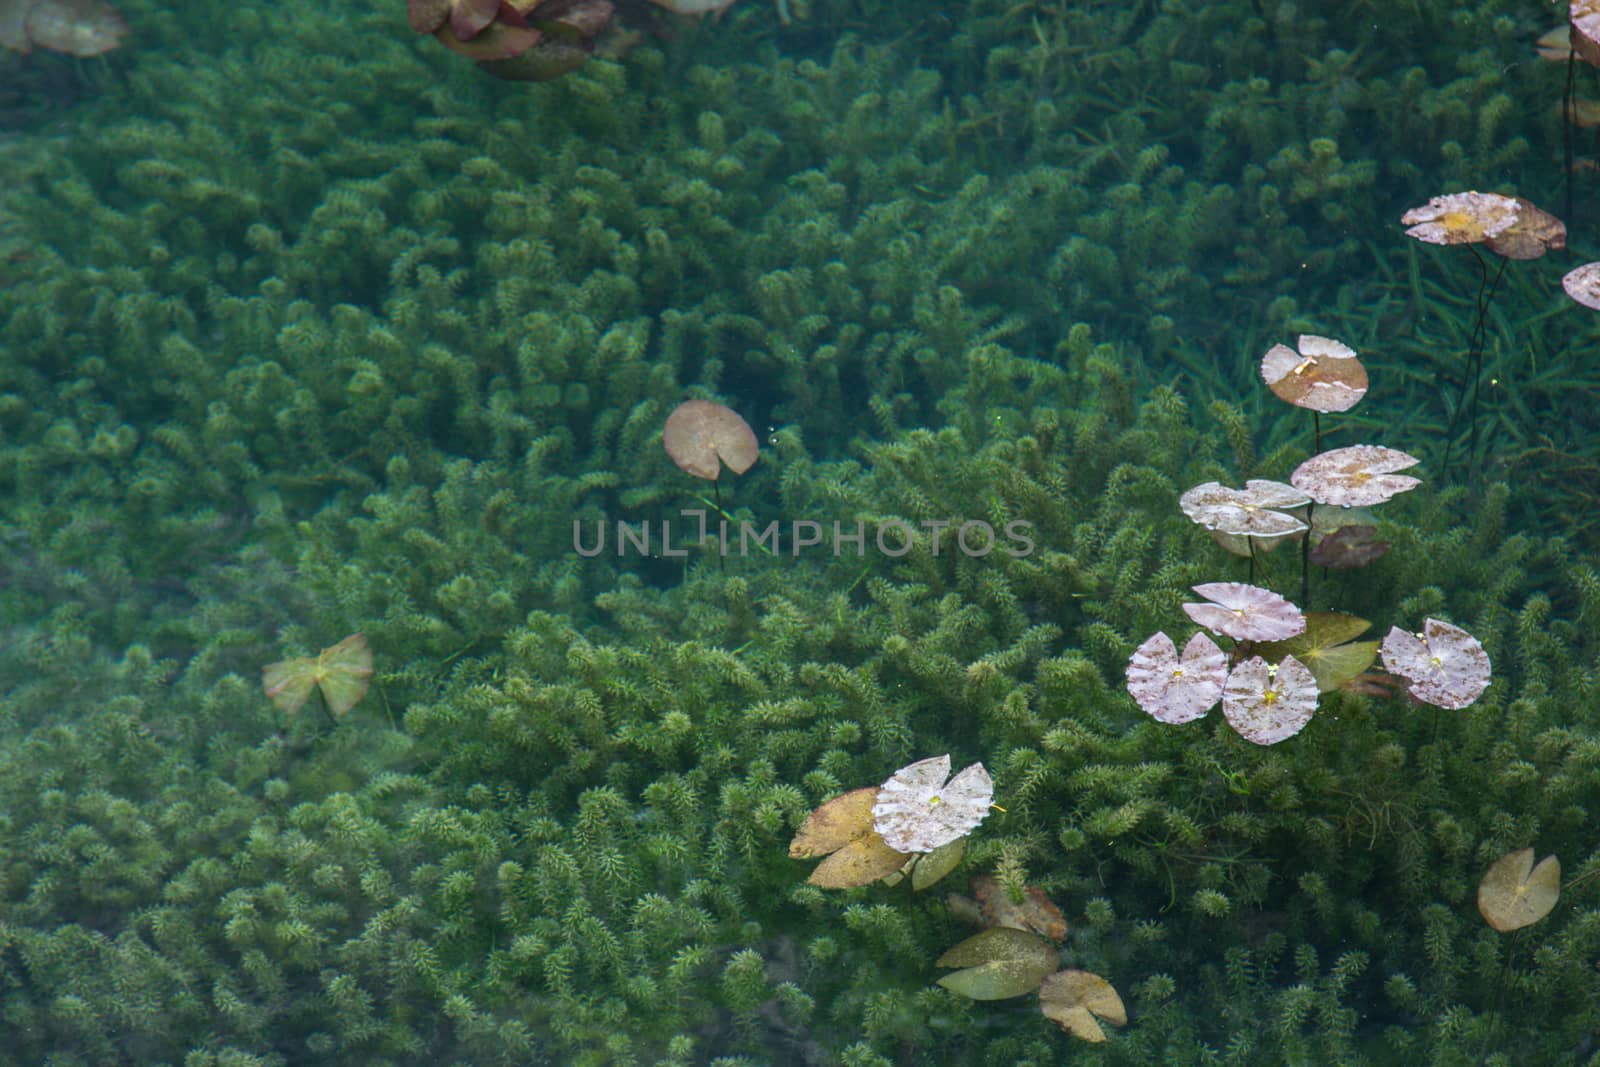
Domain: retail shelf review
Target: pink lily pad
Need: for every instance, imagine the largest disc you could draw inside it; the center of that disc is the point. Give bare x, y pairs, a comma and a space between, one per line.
1245, 612
1173, 689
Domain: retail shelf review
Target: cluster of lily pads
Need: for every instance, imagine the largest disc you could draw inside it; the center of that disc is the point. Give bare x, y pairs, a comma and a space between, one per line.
539, 40
517, 40
915, 826
1282, 659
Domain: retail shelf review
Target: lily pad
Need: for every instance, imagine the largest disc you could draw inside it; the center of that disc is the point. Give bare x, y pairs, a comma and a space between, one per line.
342, 673
701, 436
843, 827
1327, 648
999, 963
1074, 999
1035, 911
1516, 892
933, 866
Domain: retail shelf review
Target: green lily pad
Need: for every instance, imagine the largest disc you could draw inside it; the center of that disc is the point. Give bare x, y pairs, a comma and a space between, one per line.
938, 863
1326, 648
999, 963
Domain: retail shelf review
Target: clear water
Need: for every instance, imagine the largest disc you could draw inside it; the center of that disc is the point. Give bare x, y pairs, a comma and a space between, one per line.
308, 329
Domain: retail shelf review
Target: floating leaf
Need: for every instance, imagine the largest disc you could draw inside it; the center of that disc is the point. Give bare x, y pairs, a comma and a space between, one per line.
999, 963
546, 61
1583, 285
700, 436
1515, 893
1461, 218
1035, 912
1247, 512
424, 16
917, 810
1554, 45
1327, 648
1535, 232
1268, 703
1355, 477
928, 868
859, 863
468, 18
835, 824
342, 672
931, 867
1245, 612
1583, 22
1584, 114
73, 27
1072, 1000
1324, 375
575, 20
1174, 690
843, 827
497, 41
1443, 665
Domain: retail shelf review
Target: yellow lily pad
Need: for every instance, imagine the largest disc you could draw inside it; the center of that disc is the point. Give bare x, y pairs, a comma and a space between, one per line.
842, 830
1074, 1000
1515, 892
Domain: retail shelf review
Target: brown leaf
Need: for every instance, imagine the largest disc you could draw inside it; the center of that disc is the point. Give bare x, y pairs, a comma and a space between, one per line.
843, 827
700, 436
498, 40
1324, 375
1349, 547
861, 862
1035, 912
1533, 234
1072, 999
835, 824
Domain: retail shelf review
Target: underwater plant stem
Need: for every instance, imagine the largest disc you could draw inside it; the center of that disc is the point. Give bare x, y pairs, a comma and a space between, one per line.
1567, 131
1305, 542
716, 493
1305, 563
1475, 344
1480, 337
322, 702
